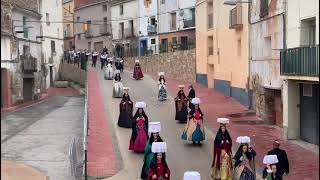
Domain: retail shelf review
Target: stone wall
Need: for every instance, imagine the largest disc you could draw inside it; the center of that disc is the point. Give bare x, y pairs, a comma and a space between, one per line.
69, 72
179, 65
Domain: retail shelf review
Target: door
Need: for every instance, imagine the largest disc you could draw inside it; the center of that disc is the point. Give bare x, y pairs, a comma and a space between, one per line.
27, 89
184, 43
309, 113
164, 45
143, 47
51, 75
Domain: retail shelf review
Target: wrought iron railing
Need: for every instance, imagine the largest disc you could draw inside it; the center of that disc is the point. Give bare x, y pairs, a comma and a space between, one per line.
300, 61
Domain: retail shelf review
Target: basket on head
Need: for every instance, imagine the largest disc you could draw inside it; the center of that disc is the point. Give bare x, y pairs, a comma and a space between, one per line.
270, 159
191, 175
223, 120
141, 105
159, 147
154, 127
196, 101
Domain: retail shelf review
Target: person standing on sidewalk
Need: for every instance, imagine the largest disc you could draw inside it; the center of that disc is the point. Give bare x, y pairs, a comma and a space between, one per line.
191, 95
283, 165
94, 58
222, 154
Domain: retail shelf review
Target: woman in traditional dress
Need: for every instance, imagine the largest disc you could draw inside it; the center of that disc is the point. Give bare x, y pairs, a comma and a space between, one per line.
244, 160
137, 72
194, 130
191, 95
159, 169
139, 136
222, 154
162, 95
181, 106
103, 59
117, 85
271, 172
126, 108
109, 72
154, 129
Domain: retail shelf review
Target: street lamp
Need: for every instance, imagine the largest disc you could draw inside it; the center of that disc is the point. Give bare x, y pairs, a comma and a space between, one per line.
234, 2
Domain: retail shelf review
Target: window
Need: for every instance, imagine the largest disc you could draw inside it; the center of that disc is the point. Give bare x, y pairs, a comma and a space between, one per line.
53, 46
153, 20
121, 30
131, 27
264, 8
70, 45
163, 1
121, 9
104, 7
239, 47
210, 14
78, 19
164, 45
26, 50
47, 19
153, 41
307, 90
174, 40
267, 49
210, 45
79, 36
25, 29
89, 46
173, 21
184, 43
308, 32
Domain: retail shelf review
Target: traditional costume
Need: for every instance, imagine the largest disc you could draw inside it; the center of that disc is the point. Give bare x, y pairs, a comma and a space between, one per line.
117, 85
108, 75
191, 175
244, 160
222, 164
159, 169
121, 65
154, 129
103, 59
139, 136
126, 108
162, 95
194, 130
94, 58
271, 171
283, 165
181, 106
137, 72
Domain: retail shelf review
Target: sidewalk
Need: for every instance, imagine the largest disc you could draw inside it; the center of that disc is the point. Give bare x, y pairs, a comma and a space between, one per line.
101, 155
304, 164
17, 171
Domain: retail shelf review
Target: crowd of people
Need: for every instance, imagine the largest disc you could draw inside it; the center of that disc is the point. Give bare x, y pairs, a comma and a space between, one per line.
145, 137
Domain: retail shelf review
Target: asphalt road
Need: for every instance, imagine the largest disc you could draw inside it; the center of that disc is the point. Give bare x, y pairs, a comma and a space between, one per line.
40, 135
181, 156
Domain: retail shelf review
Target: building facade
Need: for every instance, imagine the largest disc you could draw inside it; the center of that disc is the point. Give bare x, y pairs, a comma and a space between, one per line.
266, 41
176, 26
21, 74
52, 38
222, 48
68, 23
125, 27
92, 27
299, 69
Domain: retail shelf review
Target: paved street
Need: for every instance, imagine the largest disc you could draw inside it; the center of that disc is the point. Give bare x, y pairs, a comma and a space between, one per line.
40, 135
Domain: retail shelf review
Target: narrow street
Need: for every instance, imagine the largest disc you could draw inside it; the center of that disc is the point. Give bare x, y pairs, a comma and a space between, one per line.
181, 156
40, 135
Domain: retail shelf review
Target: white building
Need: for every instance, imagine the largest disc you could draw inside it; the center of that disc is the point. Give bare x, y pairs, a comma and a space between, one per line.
52, 41
176, 24
148, 29
125, 25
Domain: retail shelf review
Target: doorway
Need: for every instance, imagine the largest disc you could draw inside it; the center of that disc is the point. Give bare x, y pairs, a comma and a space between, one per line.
143, 47
28, 89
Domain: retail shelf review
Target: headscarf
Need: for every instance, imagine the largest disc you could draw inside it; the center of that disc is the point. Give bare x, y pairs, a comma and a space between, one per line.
218, 146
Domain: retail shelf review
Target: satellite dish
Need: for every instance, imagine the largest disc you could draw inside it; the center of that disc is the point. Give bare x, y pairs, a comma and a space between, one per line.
181, 12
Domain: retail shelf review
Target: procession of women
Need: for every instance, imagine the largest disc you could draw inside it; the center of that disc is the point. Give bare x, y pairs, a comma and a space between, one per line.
146, 136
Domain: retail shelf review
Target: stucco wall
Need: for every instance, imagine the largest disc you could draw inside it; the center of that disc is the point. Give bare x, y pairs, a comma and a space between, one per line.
72, 73
179, 65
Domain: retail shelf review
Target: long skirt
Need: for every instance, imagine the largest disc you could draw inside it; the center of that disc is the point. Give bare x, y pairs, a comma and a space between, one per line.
244, 173
125, 119
108, 75
146, 165
140, 142
225, 172
182, 115
117, 90
193, 132
162, 93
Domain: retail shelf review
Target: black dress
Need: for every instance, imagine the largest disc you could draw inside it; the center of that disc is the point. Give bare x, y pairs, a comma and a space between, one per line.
181, 107
125, 117
191, 95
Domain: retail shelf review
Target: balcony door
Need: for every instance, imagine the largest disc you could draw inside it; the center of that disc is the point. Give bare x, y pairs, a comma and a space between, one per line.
27, 89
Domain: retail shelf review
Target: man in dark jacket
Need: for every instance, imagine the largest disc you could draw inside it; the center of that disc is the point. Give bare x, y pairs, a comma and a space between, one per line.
191, 95
283, 165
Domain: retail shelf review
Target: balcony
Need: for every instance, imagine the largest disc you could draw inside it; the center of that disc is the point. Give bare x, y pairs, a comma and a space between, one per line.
88, 34
105, 29
189, 23
300, 61
29, 63
235, 18
67, 34
152, 29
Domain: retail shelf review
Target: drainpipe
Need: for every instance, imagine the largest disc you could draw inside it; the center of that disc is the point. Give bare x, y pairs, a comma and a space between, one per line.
250, 57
